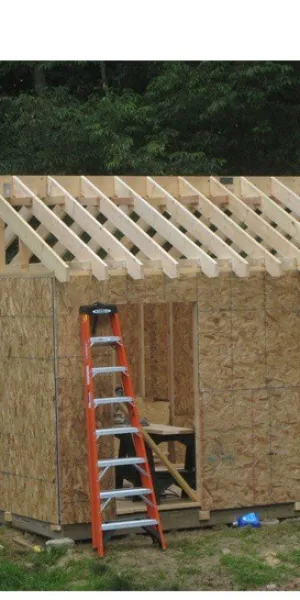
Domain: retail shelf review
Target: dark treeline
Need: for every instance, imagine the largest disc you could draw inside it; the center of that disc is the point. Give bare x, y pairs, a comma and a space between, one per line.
150, 117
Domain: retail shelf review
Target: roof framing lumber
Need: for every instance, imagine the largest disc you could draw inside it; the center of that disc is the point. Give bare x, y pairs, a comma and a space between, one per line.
129, 228
240, 237
73, 243
9, 234
102, 237
272, 210
33, 241
200, 231
175, 237
285, 195
260, 227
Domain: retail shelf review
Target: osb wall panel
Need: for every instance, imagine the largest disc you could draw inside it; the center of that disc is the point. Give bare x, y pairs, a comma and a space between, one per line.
249, 385
28, 484
184, 393
130, 316
156, 351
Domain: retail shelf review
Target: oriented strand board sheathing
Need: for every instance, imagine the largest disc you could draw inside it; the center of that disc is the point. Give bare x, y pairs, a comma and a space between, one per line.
282, 348
131, 328
27, 392
30, 337
285, 469
214, 294
184, 393
30, 296
181, 290
248, 349
248, 294
250, 400
151, 289
72, 294
249, 385
156, 351
117, 289
154, 412
215, 349
35, 498
32, 397
282, 292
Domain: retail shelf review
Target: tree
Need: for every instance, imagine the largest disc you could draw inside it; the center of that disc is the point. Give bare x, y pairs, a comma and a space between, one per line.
149, 117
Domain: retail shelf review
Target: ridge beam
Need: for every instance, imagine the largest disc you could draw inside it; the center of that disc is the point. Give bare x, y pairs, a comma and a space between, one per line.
129, 228
198, 230
272, 210
63, 233
170, 233
228, 227
98, 233
285, 195
33, 241
256, 224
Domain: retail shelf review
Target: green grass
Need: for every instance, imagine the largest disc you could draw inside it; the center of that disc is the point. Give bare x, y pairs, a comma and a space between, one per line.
252, 573
218, 559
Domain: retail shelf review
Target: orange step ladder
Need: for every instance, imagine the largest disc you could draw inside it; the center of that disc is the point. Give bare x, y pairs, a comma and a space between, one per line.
102, 531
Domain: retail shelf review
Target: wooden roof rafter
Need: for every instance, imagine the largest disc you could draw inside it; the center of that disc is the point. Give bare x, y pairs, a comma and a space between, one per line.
285, 195
33, 241
245, 215
128, 227
199, 230
287, 253
60, 230
227, 226
101, 237
274, 212
170, 233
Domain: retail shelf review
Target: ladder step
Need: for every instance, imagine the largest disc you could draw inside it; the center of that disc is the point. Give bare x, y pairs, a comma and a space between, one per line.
113, 400
107, 370
116, 462
125, 493
112, 525
116, 431
105, 340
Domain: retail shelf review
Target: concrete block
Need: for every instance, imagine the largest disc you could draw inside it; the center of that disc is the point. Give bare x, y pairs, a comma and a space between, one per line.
60, 543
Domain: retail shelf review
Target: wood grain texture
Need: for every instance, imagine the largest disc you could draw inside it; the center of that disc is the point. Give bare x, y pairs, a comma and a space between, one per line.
249, 353
27, 398
156, 351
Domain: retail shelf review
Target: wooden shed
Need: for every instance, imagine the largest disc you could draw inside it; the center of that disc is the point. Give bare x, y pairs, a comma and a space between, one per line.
205, 271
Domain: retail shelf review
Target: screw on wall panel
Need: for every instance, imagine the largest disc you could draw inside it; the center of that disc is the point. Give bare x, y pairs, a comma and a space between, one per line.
6, 190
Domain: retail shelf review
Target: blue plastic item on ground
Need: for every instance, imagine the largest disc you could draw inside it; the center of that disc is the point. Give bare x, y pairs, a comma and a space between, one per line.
251, 519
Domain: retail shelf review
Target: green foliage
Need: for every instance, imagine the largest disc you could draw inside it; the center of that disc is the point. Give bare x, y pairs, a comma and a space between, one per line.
149, 117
